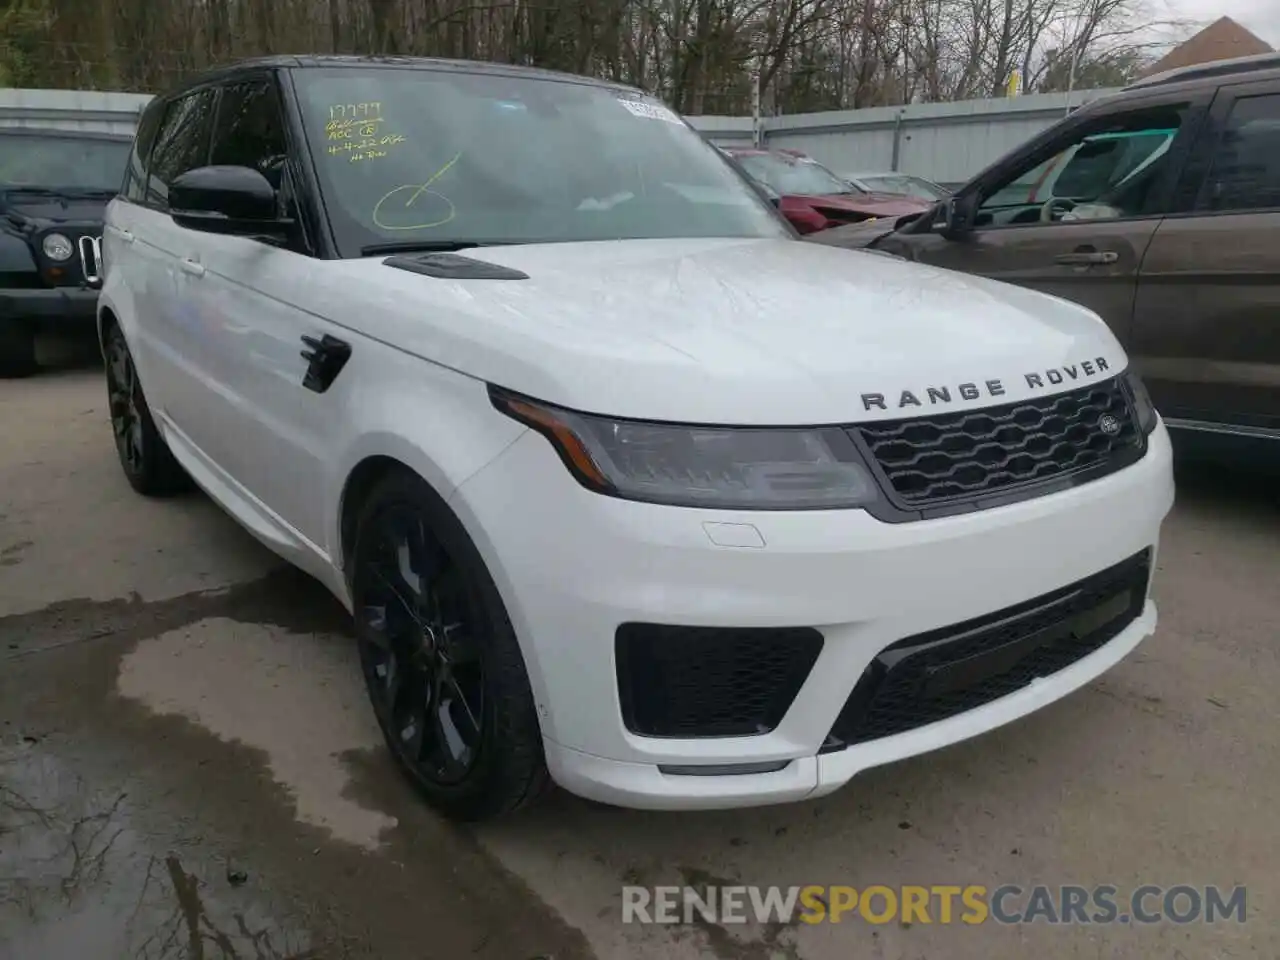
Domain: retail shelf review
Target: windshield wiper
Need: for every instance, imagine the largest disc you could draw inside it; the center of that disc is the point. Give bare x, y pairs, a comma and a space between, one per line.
426, 246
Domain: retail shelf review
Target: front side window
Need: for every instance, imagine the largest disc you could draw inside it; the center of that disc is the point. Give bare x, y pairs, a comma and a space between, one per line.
789, 174
250, 130
182, 144
64, 163
421, 156
1246, 165
1106, 171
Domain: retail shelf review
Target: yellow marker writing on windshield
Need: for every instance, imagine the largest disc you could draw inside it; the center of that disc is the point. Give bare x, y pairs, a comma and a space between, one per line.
415, 191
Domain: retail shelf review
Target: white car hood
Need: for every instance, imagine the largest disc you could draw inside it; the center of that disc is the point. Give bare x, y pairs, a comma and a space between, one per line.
728, 331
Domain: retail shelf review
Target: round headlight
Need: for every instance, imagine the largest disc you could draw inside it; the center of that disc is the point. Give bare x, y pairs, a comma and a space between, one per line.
57, 247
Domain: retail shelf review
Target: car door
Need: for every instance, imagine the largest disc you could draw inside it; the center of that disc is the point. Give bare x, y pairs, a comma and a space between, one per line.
1072, 214
271, 429
1207, 316
169, 329
135, 268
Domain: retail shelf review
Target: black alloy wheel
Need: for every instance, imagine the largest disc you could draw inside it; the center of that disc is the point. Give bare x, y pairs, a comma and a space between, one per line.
122, 394
148, 464
441, 664
420, 654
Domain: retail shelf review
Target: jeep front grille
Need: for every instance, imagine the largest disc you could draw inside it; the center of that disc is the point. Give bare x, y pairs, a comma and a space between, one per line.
91, 259
988, 454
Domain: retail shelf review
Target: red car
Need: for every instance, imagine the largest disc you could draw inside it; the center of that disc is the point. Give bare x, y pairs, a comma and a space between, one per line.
812, 197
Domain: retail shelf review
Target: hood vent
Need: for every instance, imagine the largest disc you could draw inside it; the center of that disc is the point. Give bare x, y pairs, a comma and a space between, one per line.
452, 266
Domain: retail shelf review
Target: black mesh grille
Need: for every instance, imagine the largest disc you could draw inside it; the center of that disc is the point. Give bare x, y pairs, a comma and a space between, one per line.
940, 674
710, 681
956, 456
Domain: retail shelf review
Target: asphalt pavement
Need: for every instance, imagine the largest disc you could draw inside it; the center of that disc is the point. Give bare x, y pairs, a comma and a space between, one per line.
189, 768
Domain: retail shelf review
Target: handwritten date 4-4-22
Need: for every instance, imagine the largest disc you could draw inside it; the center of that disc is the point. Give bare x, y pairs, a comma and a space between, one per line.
365, 143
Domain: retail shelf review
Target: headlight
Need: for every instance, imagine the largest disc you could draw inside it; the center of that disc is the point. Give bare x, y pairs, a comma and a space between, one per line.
1143, 408
57, 247
743, 468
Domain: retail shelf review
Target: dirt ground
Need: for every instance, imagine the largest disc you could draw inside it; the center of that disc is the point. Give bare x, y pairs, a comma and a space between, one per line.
188, 768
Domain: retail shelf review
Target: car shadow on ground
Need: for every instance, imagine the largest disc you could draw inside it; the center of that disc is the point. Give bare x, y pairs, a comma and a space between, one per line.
68, 352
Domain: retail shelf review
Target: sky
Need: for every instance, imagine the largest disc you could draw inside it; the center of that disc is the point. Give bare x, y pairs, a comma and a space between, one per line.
1260, 16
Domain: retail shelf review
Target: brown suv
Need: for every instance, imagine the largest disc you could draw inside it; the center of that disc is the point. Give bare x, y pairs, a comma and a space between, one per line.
1158, 208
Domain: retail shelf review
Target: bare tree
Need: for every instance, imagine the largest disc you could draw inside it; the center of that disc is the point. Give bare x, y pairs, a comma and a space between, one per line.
699, 55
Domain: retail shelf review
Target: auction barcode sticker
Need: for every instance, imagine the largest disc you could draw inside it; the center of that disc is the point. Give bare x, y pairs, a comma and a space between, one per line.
652, 111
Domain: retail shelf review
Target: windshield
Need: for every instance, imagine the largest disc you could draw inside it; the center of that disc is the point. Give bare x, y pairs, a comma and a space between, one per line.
66, 162
419, 156
793, 175
906, 186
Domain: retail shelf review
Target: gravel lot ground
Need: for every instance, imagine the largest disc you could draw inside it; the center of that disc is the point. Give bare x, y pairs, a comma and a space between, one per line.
188, 767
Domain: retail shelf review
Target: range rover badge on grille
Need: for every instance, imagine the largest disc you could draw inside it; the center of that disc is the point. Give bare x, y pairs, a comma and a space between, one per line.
1108, 424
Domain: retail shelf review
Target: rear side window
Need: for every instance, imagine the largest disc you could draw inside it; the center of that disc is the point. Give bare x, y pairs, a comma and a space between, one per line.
182, 144
1246, 166
135, 174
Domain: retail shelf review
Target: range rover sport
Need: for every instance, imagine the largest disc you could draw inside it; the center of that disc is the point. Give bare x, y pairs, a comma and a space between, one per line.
625, 486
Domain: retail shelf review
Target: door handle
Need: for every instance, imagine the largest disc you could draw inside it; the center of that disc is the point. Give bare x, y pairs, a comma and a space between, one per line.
124, 235
1085, 258
191, 266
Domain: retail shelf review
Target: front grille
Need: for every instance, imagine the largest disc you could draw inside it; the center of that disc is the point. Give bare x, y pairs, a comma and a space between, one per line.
936, 675
90, 259
710, 681
954, 457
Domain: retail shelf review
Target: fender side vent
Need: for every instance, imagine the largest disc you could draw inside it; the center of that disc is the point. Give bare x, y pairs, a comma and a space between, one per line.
452, 266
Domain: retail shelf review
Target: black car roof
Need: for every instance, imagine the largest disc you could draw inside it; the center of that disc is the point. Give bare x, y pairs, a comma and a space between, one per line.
1211, 71
65, 134
306, 61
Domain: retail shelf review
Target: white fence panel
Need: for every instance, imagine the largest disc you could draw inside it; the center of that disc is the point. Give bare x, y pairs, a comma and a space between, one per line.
90, 110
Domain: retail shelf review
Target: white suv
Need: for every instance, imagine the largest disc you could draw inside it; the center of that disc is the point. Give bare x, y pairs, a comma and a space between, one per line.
622, 482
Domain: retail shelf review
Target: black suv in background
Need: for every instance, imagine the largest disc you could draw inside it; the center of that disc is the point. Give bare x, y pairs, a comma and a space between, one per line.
1157, 207
54, 189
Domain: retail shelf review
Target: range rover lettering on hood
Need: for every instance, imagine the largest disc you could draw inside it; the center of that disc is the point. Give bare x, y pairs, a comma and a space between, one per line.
976, 389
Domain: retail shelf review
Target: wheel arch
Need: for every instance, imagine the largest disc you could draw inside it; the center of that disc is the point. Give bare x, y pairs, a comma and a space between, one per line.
378, 456
444, 448
106, 320
360, 481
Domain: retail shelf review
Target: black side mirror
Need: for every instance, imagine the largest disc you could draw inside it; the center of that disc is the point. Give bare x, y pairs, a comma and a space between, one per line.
954, 216
223, 199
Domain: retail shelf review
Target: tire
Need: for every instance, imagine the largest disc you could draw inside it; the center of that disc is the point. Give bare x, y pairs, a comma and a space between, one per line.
432, 630
17, 349
145, 458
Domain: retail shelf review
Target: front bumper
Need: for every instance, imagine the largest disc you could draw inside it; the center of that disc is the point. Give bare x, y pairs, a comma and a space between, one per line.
572, 566
49, 307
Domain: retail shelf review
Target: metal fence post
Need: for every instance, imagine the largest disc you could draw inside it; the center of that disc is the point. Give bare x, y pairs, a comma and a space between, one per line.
897, 141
